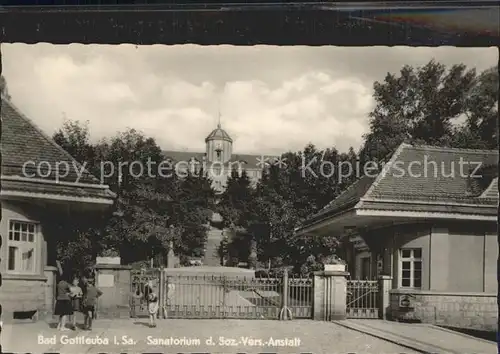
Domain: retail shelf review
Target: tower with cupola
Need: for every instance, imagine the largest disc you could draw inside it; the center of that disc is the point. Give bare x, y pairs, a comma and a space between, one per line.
219, 146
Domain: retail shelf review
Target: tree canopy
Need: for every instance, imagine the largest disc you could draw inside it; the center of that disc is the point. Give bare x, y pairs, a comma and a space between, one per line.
434, 105
151, 209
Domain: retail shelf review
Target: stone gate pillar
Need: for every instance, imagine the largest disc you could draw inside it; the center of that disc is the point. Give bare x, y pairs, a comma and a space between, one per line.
330, 294
114, 280
385, 284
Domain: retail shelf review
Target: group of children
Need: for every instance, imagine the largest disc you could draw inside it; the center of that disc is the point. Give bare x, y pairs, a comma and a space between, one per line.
79, 296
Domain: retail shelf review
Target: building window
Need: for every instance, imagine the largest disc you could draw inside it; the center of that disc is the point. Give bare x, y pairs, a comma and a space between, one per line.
22, 245
410, 264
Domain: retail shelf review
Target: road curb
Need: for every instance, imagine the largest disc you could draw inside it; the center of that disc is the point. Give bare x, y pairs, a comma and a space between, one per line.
393, 338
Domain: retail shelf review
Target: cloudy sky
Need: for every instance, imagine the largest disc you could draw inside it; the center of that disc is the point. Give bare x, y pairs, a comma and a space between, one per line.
271, 99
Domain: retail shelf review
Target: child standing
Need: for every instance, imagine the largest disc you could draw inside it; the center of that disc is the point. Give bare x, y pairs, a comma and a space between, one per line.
152, 301
76, 296
89, 303
63, 307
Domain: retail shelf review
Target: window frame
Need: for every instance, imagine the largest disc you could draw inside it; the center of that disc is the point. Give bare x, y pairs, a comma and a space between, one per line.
412, 260
36, 247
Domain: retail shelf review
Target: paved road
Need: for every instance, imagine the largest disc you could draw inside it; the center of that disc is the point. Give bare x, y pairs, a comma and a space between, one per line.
423, 337
239, 336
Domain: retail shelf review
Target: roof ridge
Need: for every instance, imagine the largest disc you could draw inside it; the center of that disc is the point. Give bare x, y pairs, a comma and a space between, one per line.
452, 149
45, 135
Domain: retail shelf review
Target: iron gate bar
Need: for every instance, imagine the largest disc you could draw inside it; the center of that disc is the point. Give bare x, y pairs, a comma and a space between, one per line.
362, 296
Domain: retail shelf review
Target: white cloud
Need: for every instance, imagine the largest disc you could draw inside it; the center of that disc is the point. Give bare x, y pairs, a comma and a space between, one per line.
272, 99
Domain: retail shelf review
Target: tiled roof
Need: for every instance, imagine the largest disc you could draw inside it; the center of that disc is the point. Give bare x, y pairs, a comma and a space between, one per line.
250, 161
24, 143
347, 198
405, 178
443, 179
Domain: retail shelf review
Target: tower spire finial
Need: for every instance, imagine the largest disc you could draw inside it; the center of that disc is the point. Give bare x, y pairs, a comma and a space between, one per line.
218, 120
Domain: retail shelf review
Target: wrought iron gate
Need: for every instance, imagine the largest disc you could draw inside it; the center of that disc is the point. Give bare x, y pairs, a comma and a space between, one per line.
139, 279
362, 299
219, 296
236, 297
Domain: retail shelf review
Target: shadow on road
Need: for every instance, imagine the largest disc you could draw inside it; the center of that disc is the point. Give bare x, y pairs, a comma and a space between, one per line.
486, 335
145, 324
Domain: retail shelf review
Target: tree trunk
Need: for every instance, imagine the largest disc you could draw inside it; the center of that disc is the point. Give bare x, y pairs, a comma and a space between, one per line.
252, 258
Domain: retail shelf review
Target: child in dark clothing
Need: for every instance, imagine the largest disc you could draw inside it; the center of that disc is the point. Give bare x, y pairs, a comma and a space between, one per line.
89, 303
152, 301
63, 307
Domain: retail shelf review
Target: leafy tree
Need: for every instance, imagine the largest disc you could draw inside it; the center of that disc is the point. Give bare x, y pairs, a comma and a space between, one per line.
151, 210
192, 211
77, 240
481, 127
234, 206
139, 228
423, 104
287, 196
74, 137
234, 203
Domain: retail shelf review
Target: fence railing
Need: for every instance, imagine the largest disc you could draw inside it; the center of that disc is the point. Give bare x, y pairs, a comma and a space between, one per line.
362, 299
222, 296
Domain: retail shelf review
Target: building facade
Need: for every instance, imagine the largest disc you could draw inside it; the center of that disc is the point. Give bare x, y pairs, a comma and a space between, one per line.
428, 223
35, 200
218, 160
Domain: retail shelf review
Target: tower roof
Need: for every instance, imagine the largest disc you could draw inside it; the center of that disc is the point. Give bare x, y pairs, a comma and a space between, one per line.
218, 134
